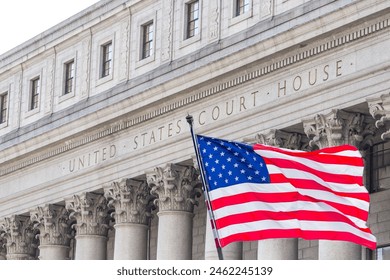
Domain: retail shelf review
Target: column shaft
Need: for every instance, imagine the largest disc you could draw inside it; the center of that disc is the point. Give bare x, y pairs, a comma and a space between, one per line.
174, 240
338, 250
278, 249
53, 252
233, 251
91, 247
131, 242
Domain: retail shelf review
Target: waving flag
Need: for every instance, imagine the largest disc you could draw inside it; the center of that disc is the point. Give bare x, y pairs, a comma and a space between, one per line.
259, 192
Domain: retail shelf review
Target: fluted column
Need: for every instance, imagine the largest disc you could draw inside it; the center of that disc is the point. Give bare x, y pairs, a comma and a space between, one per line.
91, 214
337, 128
279, 248
20, 235
55, 233
380, 110
176, 189
130, 198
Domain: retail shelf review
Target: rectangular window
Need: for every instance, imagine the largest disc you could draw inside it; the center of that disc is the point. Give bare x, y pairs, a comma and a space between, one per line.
192, 19
35, 88
379, 165
106, 60
3, 107
242, 6
69, 76
147, 40
383, 253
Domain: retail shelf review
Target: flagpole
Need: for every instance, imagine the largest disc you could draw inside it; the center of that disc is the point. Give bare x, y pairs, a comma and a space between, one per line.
205, 188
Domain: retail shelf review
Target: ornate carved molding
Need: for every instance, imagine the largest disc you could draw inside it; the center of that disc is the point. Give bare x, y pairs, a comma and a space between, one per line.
53, 224
20, 235
319, 49
280, 138
166, 40
3, 250
131, 200
380, 110
339, 127
176, 187
90, 212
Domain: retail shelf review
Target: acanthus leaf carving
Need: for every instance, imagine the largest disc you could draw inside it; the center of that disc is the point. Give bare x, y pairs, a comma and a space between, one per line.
90, 212
175, 187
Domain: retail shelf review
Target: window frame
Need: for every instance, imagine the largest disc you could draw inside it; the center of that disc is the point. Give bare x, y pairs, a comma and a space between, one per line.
4, 97
35, 90
239, 9
69, 81
190, 19
107, 57
147, 43
237, 18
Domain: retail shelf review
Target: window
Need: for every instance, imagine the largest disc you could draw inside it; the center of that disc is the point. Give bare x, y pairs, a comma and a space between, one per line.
379, 166
69, 77
192, 19
147, 40
242, 6
34, 100
383, 253
106, 60
3, 107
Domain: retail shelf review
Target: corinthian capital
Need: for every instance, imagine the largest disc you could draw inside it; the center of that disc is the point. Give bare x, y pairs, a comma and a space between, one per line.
279, 138
130, 198
380, 111
176, 187
3, 250
338, 128
90, 212
20, 235
53, 224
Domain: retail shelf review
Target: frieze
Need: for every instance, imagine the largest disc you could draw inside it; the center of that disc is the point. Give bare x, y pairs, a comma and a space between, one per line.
289, 85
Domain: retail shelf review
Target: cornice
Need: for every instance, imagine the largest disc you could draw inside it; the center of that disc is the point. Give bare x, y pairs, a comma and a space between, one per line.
308, 52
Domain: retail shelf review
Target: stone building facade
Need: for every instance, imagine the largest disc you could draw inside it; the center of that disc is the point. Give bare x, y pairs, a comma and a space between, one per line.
96, 158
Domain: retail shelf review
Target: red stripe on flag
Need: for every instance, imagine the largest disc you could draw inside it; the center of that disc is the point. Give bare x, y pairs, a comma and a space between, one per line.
313, 185
328, 177
284, 197
293, 233
301, 215
321, 156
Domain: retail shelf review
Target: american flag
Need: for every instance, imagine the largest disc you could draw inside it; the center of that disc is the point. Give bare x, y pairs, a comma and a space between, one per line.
259, 192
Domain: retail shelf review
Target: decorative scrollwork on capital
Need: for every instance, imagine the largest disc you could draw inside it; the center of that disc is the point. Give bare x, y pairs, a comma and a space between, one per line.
20, 235
3, 250
90, 212
131, 200
380, 110
280, 138
53, 224
175, 186
338, 128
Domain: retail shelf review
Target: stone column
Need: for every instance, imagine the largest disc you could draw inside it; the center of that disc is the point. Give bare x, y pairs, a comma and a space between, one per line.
54, 231
130, 198
20, 235
279, 248
91, 214
337, 128
233, 251
176, 189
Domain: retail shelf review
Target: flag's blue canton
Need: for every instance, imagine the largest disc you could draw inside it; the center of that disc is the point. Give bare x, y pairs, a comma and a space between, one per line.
229, 163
